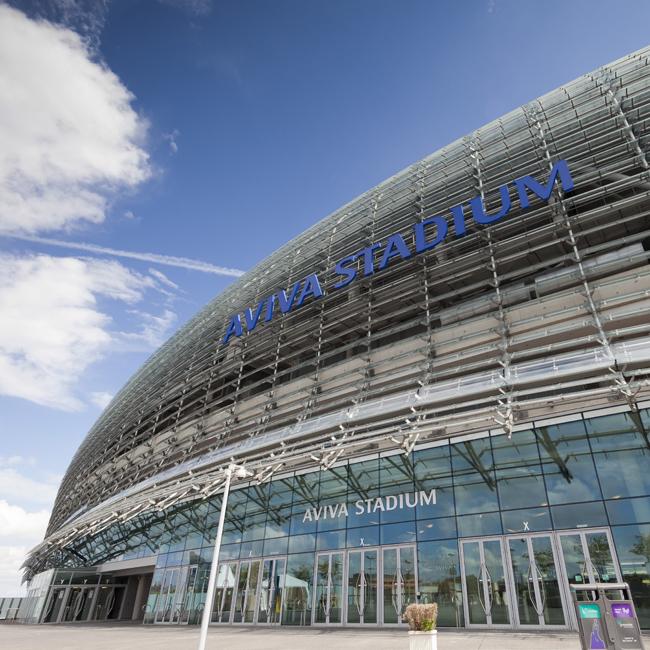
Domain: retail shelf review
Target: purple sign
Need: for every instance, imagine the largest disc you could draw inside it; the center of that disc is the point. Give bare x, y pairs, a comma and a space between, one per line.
621, 610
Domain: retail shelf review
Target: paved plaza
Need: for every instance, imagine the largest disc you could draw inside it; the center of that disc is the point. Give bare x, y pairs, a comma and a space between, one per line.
140, 637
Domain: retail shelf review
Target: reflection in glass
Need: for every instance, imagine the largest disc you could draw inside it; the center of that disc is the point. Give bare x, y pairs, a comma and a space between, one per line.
633, 549
297, 590
271, 589
392, 585
473, 583
548, 584
439, 580
496, 582
251, 591
574, 559
600, 557
224, 590
523, 577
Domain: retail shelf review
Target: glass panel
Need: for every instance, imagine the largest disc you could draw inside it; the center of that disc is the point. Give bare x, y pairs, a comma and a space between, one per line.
104, 598
87, 604
623, 473
600, 556
407, 575
439, 581
633, 549
518, 471
568, 467
474, 482
474, 583
520, 521
574, 559
547, 578
266, 588
279, 578
322, 581
54, 606
74, 596
336, 588
430, 529
241, 592
398, 533
496, 582
297, 590
488, 523
370, 587
354, 587
629, 511
523, 582
253, 578
223, 593
367, 536
391, 587
582, 515
229, 591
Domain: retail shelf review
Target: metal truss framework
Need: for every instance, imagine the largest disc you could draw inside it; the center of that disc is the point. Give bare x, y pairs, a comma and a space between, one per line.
542, 313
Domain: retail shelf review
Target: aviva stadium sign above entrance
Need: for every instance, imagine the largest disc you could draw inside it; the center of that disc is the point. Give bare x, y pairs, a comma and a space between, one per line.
427, 234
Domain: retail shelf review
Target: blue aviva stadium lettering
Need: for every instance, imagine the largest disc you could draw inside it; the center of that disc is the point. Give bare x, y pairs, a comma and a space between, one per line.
427, 234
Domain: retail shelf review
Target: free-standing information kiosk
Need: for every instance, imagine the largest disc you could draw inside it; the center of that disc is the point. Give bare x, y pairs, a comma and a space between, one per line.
606, 617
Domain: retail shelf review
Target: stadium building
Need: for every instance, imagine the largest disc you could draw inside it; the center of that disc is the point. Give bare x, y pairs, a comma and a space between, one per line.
441, 391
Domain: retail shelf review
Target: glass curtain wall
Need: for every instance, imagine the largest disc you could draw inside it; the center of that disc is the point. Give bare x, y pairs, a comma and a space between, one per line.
583, 474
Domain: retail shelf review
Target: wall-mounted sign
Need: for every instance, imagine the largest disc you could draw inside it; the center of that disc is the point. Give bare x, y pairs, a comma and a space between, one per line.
426, 235
372, 505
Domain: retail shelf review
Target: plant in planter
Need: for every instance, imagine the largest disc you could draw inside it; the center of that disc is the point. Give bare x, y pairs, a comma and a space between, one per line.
422, 621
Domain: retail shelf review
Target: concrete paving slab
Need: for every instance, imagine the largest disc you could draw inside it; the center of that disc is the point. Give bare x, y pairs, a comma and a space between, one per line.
140, 637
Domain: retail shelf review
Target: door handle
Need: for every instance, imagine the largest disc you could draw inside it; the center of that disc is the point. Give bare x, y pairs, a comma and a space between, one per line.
479, 589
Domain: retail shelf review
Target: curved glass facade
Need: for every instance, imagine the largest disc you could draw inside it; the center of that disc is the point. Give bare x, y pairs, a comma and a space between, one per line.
402, 381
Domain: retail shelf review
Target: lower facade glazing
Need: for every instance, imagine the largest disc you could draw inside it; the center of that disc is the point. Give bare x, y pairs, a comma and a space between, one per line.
492, 529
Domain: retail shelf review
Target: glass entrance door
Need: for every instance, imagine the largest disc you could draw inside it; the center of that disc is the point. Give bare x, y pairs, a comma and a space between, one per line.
589, 556
78, 604
537, 591
362, 587
271, 591
523, 580
487, 598
399, 582
247, 588
224, 593
328, 589
167, 596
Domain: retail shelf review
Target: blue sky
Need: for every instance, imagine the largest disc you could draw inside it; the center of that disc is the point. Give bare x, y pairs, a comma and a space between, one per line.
215, 131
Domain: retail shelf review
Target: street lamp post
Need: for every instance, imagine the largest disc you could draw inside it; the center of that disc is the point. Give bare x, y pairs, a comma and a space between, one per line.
240, 472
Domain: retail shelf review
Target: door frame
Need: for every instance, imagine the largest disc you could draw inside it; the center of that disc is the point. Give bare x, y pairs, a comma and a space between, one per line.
344, 576
582, 532
380, 591
506, 576
558, 560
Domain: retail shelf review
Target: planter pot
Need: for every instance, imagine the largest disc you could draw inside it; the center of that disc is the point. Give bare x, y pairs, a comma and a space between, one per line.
423, 640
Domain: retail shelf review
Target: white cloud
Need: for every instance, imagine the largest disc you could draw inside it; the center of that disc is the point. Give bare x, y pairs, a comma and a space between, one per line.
70, 137
171, 139
20, 531
163, 279
21, 526
101, 399
152, 333
165, 260
52, 328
